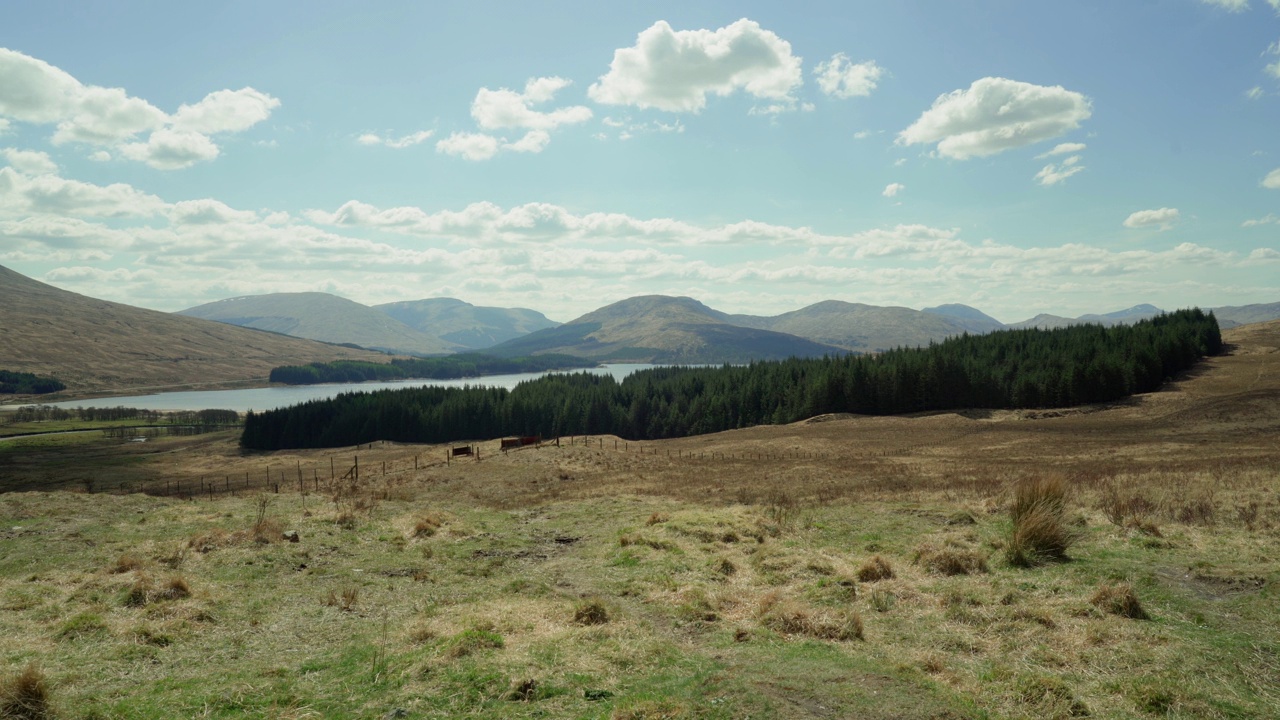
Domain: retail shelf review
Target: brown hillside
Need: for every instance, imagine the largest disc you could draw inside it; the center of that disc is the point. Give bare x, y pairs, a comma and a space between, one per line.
98, 346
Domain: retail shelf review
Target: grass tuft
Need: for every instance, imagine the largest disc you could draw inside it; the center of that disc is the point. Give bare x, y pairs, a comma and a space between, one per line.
1040, 531
25, 696
1119, 599
591, 611
127, 562
875, 569
949, 560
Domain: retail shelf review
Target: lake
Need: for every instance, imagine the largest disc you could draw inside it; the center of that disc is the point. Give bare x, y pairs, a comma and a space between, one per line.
268, 398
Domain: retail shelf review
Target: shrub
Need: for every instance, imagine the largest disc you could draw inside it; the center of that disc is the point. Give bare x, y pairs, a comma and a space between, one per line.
25, 696
1118, 599
1040, 531
875, 569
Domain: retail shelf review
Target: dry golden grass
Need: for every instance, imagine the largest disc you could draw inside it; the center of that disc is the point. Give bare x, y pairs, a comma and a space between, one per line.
25, 696
1173, 493
1118, 599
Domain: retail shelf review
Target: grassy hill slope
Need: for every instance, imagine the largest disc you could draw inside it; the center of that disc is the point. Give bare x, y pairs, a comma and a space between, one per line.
95, 345
469, 326
324, 317
662, 329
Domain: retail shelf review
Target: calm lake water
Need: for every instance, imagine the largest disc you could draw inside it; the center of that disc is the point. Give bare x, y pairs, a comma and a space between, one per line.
268, 398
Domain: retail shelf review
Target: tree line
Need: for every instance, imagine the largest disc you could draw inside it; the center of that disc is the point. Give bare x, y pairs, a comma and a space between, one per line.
20, 383
452, 367
1008, 369
45, 413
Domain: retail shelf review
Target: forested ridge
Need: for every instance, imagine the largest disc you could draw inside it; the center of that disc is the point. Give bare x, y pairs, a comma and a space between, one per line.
1008, 369
462, 365
21, 383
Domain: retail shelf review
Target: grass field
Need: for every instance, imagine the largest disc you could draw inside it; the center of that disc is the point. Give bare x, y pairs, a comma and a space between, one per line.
842, 567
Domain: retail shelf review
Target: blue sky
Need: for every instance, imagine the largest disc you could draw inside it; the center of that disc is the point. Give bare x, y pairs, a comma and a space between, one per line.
1020, 157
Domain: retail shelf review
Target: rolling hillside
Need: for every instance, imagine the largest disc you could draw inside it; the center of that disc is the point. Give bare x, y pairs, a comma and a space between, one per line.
324, 317
466, 325
98, 346
858, 327
661, 329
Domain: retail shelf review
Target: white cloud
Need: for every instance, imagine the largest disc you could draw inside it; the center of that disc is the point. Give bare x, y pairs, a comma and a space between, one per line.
104, 116
841, 78
1264, 255
1254, 92
997, 114
100, 156
62, 233
892, 189
225, 111
4, 126
21, 195
1164, 218
1062, 149
207, 212
534, 141
1053, 174
29, 162
676, 70
171, 150
1272, 180
33, 91
471, 146
398, 143
1234, 6
503, 108
1268, 219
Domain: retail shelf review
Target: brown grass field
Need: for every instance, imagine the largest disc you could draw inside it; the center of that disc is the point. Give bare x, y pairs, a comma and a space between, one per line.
838, 567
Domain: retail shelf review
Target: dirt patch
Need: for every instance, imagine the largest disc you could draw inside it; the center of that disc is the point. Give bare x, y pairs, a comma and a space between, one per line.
1212, 586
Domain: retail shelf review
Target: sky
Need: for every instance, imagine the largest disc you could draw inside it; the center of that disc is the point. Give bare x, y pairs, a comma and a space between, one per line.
1018, 156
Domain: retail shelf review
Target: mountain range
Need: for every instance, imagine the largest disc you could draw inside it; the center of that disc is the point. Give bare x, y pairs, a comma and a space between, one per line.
95, 344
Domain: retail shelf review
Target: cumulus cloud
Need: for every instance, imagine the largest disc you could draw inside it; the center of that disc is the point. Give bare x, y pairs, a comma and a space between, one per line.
503, 108
171, 150
471, 146
207, 211
23, 195
841, 78
398, 143
892, 189
676, 70
33, 91
1272, 180
1164, 218
1268, 219
996, 114
1052, 174
225, 111
29, 162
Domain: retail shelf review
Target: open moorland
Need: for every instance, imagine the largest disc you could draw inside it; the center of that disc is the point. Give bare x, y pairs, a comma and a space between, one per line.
1116, 561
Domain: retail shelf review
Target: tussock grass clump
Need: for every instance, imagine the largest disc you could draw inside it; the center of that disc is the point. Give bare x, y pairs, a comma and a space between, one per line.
175, 588
83, 625
793, 618
25, 696
1119, 599
657, 518
1040, 530
345, 600
948, 560
591, 611
469, 642
428, 525
875, 570
127, 562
